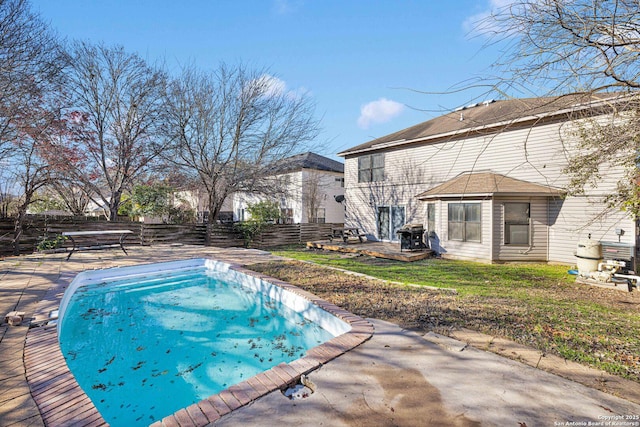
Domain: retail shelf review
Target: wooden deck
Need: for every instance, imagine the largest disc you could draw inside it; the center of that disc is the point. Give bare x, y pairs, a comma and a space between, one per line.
375, 249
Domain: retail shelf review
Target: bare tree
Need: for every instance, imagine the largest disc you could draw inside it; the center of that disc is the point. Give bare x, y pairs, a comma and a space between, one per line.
605, 146
560, 46
30, 60
555, 47
229, 127
116, 108
8, 198
74, 195
32, 159
312, 194
31, 64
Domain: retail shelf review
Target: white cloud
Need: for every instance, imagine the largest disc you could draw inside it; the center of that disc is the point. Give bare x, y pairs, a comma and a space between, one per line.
274, 85
479, 23
380, 111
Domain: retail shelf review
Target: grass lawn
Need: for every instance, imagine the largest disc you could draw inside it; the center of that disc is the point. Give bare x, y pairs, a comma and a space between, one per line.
534, 304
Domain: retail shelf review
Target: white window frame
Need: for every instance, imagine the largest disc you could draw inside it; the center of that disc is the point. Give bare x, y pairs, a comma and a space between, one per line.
371, 168
522, 225
465, 223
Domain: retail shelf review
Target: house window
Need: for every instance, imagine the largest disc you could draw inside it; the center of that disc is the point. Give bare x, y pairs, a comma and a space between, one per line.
517, 219
371, 168
341, 181
431, 217
320, 216
465, 222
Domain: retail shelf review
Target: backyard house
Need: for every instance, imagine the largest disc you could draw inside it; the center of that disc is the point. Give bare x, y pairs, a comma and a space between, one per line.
197, 199
308, 188
487, 183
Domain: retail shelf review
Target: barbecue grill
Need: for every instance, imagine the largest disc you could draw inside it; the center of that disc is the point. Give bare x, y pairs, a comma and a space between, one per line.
411, 237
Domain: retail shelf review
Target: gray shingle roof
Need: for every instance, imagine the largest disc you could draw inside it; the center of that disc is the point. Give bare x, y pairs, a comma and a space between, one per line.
309, 160
488, 115
477, 184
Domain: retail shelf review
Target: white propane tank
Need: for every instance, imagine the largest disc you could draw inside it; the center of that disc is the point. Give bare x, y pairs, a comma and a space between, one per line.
589, 255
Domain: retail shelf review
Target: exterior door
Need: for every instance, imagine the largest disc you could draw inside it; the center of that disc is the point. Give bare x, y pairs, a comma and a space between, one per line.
390, 220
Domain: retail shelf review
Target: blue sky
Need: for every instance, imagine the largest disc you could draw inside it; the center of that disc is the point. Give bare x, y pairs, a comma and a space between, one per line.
361, 61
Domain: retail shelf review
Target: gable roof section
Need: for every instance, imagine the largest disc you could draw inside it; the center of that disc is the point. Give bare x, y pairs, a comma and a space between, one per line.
486, 184
308, 160
491, 116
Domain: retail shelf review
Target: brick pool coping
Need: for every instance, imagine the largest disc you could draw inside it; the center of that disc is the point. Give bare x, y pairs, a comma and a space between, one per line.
61, 401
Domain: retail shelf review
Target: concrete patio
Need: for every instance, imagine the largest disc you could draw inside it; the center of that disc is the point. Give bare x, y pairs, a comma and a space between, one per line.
397, 378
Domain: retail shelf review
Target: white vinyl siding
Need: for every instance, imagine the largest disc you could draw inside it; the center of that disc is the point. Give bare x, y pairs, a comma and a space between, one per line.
477, 251
536, 250
530, 154
295, 198
567, 228
522, 154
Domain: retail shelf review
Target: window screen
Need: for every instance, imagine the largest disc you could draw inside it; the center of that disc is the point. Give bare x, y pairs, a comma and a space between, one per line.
464, 221
371, 168
516, 223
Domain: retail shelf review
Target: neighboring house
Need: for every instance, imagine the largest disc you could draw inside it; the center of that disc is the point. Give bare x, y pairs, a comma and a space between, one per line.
97, 210
486, 181
308, 189
198, 199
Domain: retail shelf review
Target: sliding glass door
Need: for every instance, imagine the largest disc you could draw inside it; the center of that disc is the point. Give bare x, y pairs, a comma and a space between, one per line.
390, 220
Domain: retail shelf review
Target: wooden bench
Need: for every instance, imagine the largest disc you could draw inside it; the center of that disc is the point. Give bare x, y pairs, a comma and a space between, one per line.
90, 241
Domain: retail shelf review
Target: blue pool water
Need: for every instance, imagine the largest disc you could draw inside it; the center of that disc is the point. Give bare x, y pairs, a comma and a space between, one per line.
142, 348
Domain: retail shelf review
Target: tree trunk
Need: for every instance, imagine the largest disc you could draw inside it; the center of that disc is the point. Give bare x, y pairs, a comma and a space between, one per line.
214, 210
18, 227
114, 205
207, 235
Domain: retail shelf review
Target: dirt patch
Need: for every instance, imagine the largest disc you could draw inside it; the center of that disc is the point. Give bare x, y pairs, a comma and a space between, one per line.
567, 327
410, 307
401, 405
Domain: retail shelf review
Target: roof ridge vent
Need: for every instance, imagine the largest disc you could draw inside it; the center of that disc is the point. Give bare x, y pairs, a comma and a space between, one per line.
475, 104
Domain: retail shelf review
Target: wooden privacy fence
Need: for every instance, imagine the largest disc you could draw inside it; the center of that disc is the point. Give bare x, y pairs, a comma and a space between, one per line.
37, 229
291, 234
188, 234
228, 235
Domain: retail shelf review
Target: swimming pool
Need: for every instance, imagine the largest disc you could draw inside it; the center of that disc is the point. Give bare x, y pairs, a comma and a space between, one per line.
148, 340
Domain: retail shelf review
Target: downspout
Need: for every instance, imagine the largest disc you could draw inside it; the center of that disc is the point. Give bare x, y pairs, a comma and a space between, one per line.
548, 229
492, 219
